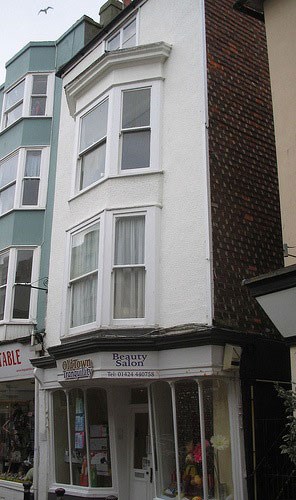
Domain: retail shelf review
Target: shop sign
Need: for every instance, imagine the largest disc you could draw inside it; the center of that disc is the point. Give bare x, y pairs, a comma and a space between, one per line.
131, 365
15, 361
77, 368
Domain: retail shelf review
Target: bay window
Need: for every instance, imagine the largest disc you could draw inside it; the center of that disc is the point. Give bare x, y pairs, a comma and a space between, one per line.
119, 135
32, 96
119, 289
17, 267
23, 178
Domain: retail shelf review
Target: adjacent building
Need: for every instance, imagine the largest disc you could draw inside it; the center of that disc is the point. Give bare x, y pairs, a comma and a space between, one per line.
30, 104
155, 382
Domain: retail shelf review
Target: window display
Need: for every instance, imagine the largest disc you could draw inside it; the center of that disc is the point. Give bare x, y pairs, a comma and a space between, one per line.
81, 438
192, 440
17, 429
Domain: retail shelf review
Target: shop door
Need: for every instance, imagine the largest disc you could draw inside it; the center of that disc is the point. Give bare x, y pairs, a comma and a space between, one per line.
141, 478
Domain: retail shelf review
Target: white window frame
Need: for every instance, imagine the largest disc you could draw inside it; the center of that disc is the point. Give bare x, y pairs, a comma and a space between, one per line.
20, 176
113, 139
10, 285
26, 100
104, 317
119, 31
92, 147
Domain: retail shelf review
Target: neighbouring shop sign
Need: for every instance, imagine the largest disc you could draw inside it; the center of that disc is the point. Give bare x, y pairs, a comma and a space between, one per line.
77, 368
15, 361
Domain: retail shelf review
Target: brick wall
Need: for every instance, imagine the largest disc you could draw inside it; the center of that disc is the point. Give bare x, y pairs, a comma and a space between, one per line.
244, 191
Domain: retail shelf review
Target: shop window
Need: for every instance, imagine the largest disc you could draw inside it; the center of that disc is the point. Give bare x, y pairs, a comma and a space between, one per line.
17, 429
81, 438
32, 96
165, 459
23, 179
124, 38
192, 456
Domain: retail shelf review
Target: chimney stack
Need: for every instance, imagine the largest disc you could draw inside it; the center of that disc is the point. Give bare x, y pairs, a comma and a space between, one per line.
126, 2
109, 10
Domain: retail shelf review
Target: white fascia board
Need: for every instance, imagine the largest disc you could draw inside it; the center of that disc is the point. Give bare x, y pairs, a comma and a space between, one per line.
110, 61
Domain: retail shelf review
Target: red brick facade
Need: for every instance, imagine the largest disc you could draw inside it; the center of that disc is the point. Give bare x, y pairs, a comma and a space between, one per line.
244, 190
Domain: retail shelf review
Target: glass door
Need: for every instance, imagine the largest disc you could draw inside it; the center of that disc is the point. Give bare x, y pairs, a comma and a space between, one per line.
141, 479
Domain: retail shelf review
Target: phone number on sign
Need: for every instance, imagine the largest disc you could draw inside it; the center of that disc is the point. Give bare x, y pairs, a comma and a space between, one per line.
130, 374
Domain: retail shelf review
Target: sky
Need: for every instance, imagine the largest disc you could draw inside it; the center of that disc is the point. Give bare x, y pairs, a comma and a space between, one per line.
20, 22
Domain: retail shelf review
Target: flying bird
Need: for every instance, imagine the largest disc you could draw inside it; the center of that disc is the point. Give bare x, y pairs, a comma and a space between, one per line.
45, 10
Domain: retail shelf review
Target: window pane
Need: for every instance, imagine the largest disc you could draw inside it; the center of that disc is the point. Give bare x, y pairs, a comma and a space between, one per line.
15, 95
114, 43
61, 445
84, 301
98, 429
7, 199
21, 306
93, 166
78, 438
85, 248
39, 84
8, 170
4, 259
217, 428
30, 192
14, 114
2, 302
32, 167
164, 441
24, 266
129, 240
94, 126
135, 149
17, 430
38, 106
129, 35
189, 439
129, 293
131, 42
136, 108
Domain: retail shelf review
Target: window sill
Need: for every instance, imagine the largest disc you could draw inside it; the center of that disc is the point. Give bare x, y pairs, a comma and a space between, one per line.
84, 491
131, 173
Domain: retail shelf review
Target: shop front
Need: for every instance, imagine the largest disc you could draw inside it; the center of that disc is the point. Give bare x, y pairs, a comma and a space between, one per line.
144, 424
17, 396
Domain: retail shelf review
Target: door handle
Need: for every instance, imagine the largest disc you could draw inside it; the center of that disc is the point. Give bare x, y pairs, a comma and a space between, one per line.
151, 474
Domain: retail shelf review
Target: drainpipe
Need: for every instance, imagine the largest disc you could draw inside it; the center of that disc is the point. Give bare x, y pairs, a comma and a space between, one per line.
38, 385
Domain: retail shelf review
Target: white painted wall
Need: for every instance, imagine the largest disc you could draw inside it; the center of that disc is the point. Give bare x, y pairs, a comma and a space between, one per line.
181, 189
